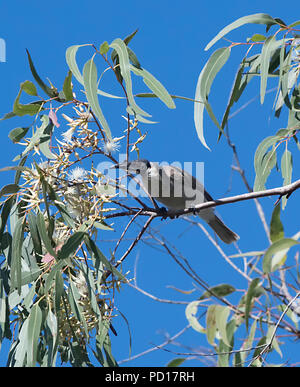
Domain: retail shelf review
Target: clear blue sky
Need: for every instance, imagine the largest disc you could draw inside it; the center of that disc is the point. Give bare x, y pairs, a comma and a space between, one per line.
170, 44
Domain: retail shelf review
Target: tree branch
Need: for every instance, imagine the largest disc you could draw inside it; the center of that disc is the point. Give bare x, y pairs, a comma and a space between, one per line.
281, 191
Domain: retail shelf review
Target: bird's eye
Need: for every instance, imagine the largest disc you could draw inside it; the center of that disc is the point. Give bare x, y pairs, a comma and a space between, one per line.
138, 171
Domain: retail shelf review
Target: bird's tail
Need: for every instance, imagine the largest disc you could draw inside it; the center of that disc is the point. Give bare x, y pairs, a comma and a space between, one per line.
224, 233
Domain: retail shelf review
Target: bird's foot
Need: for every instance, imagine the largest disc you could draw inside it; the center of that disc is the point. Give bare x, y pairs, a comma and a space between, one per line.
193, 210
163, 212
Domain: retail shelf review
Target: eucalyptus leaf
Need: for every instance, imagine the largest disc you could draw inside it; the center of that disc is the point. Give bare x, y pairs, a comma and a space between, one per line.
216, 61
17, 134
51, 92
211, 324
34, 328
276, 252
190, 313
286, 171
276, 227
123, 56
158, 89
258, 18
72, 63
90, 85
71, 245
67, 87
9, 189
251, 294
221, 315
16, 260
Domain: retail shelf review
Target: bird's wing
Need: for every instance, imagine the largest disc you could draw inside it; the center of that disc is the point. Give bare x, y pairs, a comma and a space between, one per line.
185, 175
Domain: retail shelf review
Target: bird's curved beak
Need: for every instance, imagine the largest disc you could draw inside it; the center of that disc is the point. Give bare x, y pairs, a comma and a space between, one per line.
123, 165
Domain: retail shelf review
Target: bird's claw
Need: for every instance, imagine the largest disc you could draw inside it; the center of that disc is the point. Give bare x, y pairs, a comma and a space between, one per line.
163, 213
193, 210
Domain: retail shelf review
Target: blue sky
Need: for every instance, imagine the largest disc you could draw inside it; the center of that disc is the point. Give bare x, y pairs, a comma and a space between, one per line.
170, 44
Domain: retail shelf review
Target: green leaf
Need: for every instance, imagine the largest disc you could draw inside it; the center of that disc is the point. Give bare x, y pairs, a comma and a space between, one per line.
294, 24
74, 297
104, 48
258, 38
71, 245
248, 254
110, 360
6, 209
9, 189
52, 324
276, 227
251, 293
17, 134
128, 38
99, 257
224, 349
44, 234
123, 56
248, 343
45, 138
29, 88
286, 171
264, 161
30, 109
270, 45
40, 138
176, 362
234, 95
16, 264
221, 290
258, 18
32, 223
90, 85
211, 324
276, 252
52, 275
190, 313
67, 87
71, 61
51, 92
268, 163
158, 89
7, 116
30, 276
221, 315
216, 61
275, 345
34, 328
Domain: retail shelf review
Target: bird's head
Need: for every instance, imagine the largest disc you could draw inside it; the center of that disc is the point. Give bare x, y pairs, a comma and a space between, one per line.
135, 166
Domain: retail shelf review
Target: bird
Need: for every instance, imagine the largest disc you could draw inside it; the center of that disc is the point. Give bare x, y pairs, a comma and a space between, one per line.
178, 190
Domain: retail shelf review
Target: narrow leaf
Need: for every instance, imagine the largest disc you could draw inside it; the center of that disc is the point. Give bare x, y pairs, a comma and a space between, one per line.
190, 313
205, 80
276, 227
281, 246
258, 18
16, 264
17, 134
90, 85
251, 293
34, 328
9, 189
67, 87
222, 314
211, 324
48, 90
158, 89
286, 171
123, 56
71, 245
